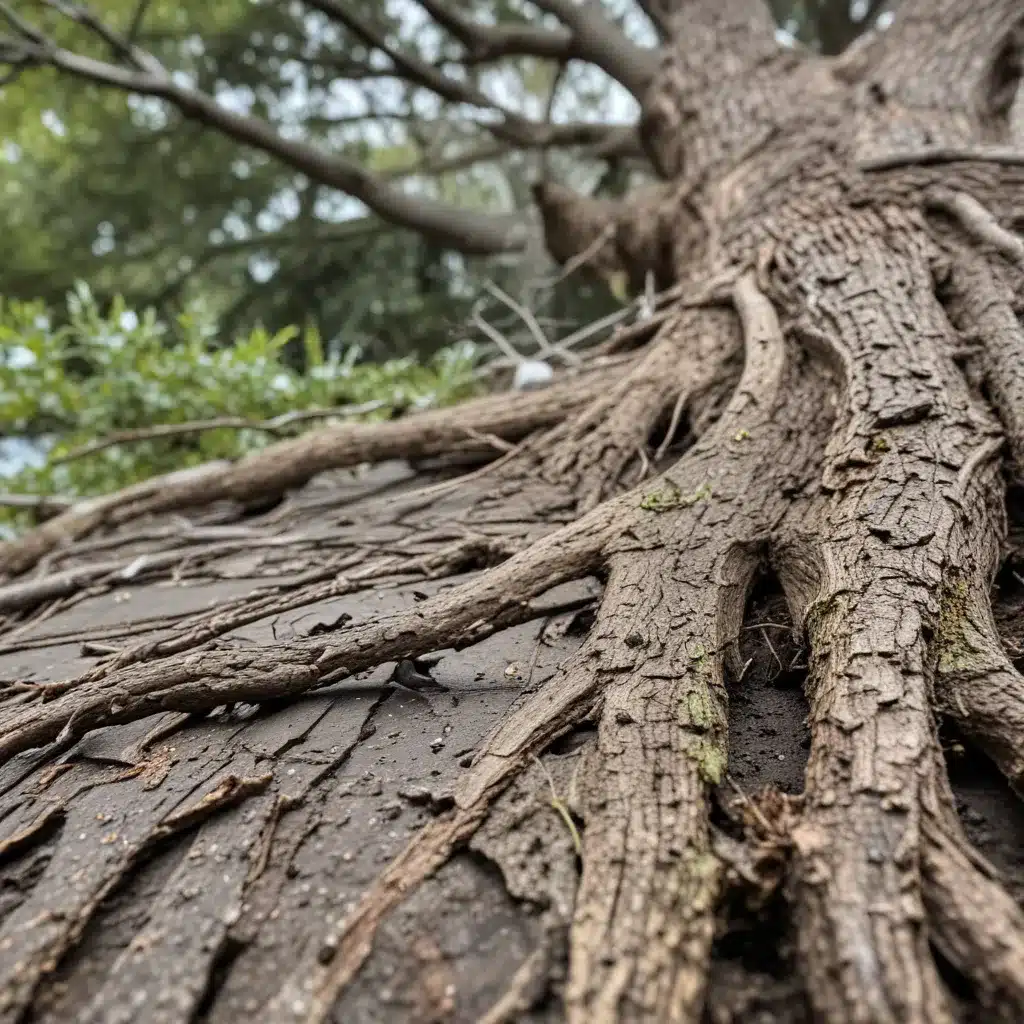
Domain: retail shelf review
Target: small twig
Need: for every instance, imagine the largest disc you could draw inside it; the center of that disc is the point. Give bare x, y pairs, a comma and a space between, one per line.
458, 481
782, 668
621, 338
489, 439
119, 45
596, 327
751, 806
93, 649
23, 28
543, 345
581, 259
499, 339
677, 413
648, 299
559, 805
275, 425
136, 23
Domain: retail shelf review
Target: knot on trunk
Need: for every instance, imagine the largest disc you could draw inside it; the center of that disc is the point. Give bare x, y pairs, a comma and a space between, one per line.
609, 238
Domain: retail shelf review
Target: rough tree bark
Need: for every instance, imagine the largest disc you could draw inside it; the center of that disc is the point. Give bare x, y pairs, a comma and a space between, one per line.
845, 354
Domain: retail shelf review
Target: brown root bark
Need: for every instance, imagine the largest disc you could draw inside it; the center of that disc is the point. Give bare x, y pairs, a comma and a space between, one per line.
973, 920
854, 455
653, 663
580, 462
469, 428
982, 304
904, 466
976, 684
210, 678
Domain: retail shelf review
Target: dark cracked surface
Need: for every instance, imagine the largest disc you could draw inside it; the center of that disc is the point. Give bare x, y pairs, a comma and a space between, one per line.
108, 913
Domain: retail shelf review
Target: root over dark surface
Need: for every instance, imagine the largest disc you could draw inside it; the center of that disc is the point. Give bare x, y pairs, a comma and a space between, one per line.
500, 704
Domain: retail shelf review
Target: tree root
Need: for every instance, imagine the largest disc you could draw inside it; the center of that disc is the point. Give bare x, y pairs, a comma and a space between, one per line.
893, 525
207, 679
982, 303
582, 459
473, 552
978, 222
653, 662
976, 684
291, 463
643, 795
593, 449
974, 922
680, 553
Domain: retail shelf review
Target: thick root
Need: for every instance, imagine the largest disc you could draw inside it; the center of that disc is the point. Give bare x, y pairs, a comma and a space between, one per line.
641, 938
976, 684
982, 305
310, 993
592, 450
902, 463
653, 660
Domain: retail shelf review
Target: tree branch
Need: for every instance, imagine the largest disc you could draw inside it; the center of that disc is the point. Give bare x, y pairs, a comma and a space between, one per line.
464, 230
587, 35
485, 43
511, 127
604, 44
136, 70
119, 45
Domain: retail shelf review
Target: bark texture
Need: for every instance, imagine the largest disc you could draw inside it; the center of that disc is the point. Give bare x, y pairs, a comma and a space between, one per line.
833, 394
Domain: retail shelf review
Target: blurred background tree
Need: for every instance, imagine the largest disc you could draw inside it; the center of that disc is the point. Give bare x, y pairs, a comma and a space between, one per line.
123, 192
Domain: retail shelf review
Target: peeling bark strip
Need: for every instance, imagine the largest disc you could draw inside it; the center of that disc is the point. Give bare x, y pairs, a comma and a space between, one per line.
849, 232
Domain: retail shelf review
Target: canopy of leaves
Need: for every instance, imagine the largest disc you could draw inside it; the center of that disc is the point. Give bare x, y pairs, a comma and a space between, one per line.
102, 373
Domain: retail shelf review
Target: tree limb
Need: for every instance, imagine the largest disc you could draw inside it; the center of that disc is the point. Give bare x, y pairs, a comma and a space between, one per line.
464, 230
485, 43
604, 44
511, 127
587, 35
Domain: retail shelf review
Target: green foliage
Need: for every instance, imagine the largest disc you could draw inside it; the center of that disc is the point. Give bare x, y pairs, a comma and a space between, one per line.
108, 371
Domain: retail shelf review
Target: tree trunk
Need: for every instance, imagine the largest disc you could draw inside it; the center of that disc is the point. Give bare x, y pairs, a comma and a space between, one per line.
839, 386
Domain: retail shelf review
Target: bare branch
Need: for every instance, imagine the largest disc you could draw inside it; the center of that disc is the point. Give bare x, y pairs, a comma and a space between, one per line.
137, 19
485, 43
120, 46
603, 43
464, 230
588, 35
511, 127
136, 70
